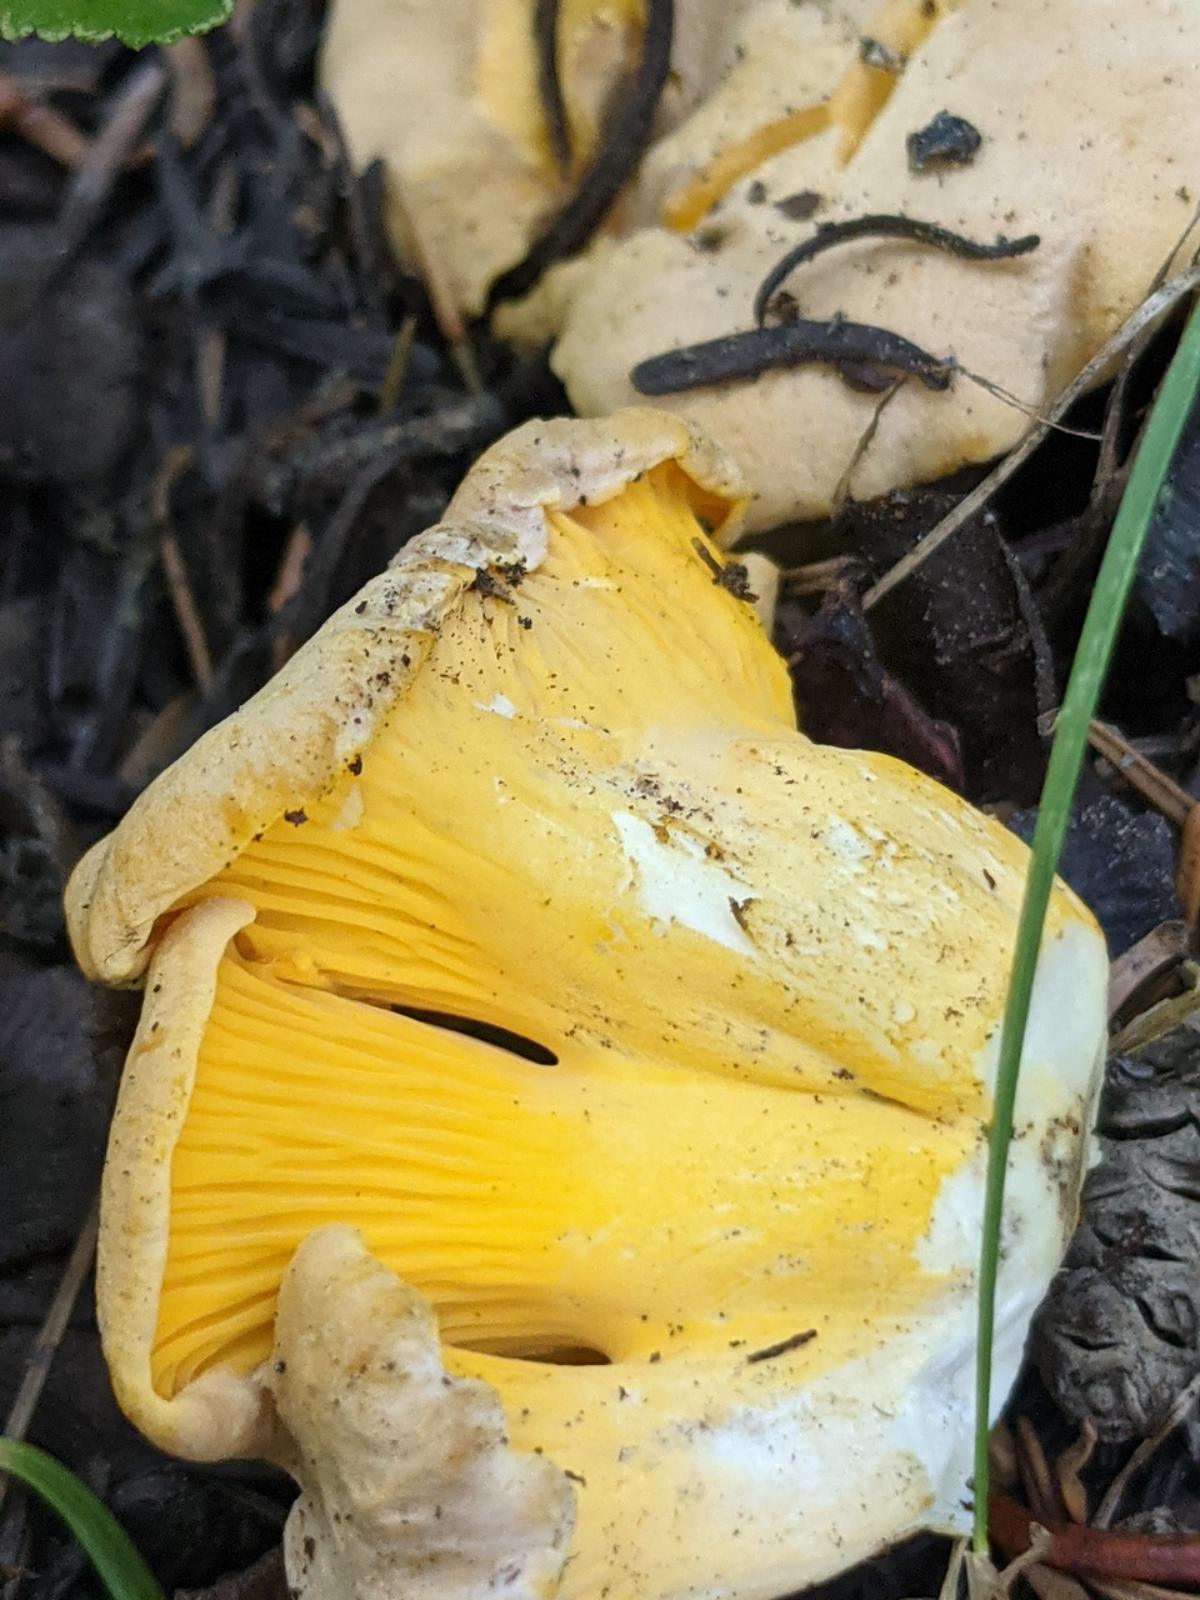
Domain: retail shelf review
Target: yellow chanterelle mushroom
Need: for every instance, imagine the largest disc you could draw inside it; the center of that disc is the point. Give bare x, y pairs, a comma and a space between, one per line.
555, 1127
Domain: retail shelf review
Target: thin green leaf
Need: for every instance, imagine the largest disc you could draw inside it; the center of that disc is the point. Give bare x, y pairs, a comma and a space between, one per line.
1171, 407
134, 22
122, 1571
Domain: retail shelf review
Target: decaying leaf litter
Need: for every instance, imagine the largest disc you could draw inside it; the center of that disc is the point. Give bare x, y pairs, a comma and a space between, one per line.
223, 485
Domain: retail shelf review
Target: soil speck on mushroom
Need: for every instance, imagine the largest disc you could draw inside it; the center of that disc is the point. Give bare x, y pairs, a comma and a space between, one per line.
946, 141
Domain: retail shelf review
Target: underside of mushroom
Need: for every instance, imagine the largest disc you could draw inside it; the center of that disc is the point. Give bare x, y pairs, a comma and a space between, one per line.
645, 1046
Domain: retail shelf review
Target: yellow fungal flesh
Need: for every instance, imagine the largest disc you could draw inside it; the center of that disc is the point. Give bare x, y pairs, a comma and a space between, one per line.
647, 1044
506, 76
899, 27
732, 1138
615, 1206
684, 209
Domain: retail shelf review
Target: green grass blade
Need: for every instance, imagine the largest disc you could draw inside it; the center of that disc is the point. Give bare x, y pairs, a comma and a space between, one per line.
123, 1572
1171, 407
134, 22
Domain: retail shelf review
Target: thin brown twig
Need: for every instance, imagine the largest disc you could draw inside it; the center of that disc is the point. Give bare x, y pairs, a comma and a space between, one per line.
818, 577
211, 339
392, 386
1098, 1552
193, 89
1183, 1403
1167, 797
990, 386
1002, 1454
865, 440
447, 312
41, 125
1150, 781
49, 1335
297, 617
176, 461
290, 573
157, 743
289, 580
1107, 463
1187, 870
1150, 310
1067, 1469
109, 150
186, 612
1159, 953
1036, 1478
1108, 479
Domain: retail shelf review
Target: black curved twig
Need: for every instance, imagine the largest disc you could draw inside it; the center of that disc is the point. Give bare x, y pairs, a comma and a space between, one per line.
545, 41
621, 144
886, 226
788, 344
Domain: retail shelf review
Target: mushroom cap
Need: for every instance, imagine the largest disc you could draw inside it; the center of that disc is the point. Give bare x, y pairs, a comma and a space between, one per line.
446, 94
651, 1045
1089, 117
323, 708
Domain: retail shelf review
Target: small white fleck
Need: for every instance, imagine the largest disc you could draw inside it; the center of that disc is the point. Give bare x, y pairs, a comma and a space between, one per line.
678, 883
350, 811
845, 840
499, 706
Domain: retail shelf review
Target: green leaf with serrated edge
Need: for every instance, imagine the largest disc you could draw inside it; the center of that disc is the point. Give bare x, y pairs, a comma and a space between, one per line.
134, 22
109, 1548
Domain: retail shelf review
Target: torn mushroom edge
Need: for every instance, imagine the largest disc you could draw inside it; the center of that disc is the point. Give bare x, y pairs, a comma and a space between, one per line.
286, 744
293, 739
218, 1414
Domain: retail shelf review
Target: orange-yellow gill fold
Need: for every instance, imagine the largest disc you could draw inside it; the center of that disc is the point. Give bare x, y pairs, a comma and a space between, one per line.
595, 39
891, 35
685, 208
608, 1203
597, 753
584, 1010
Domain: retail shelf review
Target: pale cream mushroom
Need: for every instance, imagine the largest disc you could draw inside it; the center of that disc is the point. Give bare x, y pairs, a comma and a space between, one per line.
1088, 114
411, 1489
446, 93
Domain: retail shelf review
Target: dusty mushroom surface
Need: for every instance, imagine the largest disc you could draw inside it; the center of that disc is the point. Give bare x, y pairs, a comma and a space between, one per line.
1072, 121
417, 1467
516, 926
448, 97
452, 99
1089, 120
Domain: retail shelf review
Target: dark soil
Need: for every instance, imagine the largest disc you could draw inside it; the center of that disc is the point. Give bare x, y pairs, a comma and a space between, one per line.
222, 408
